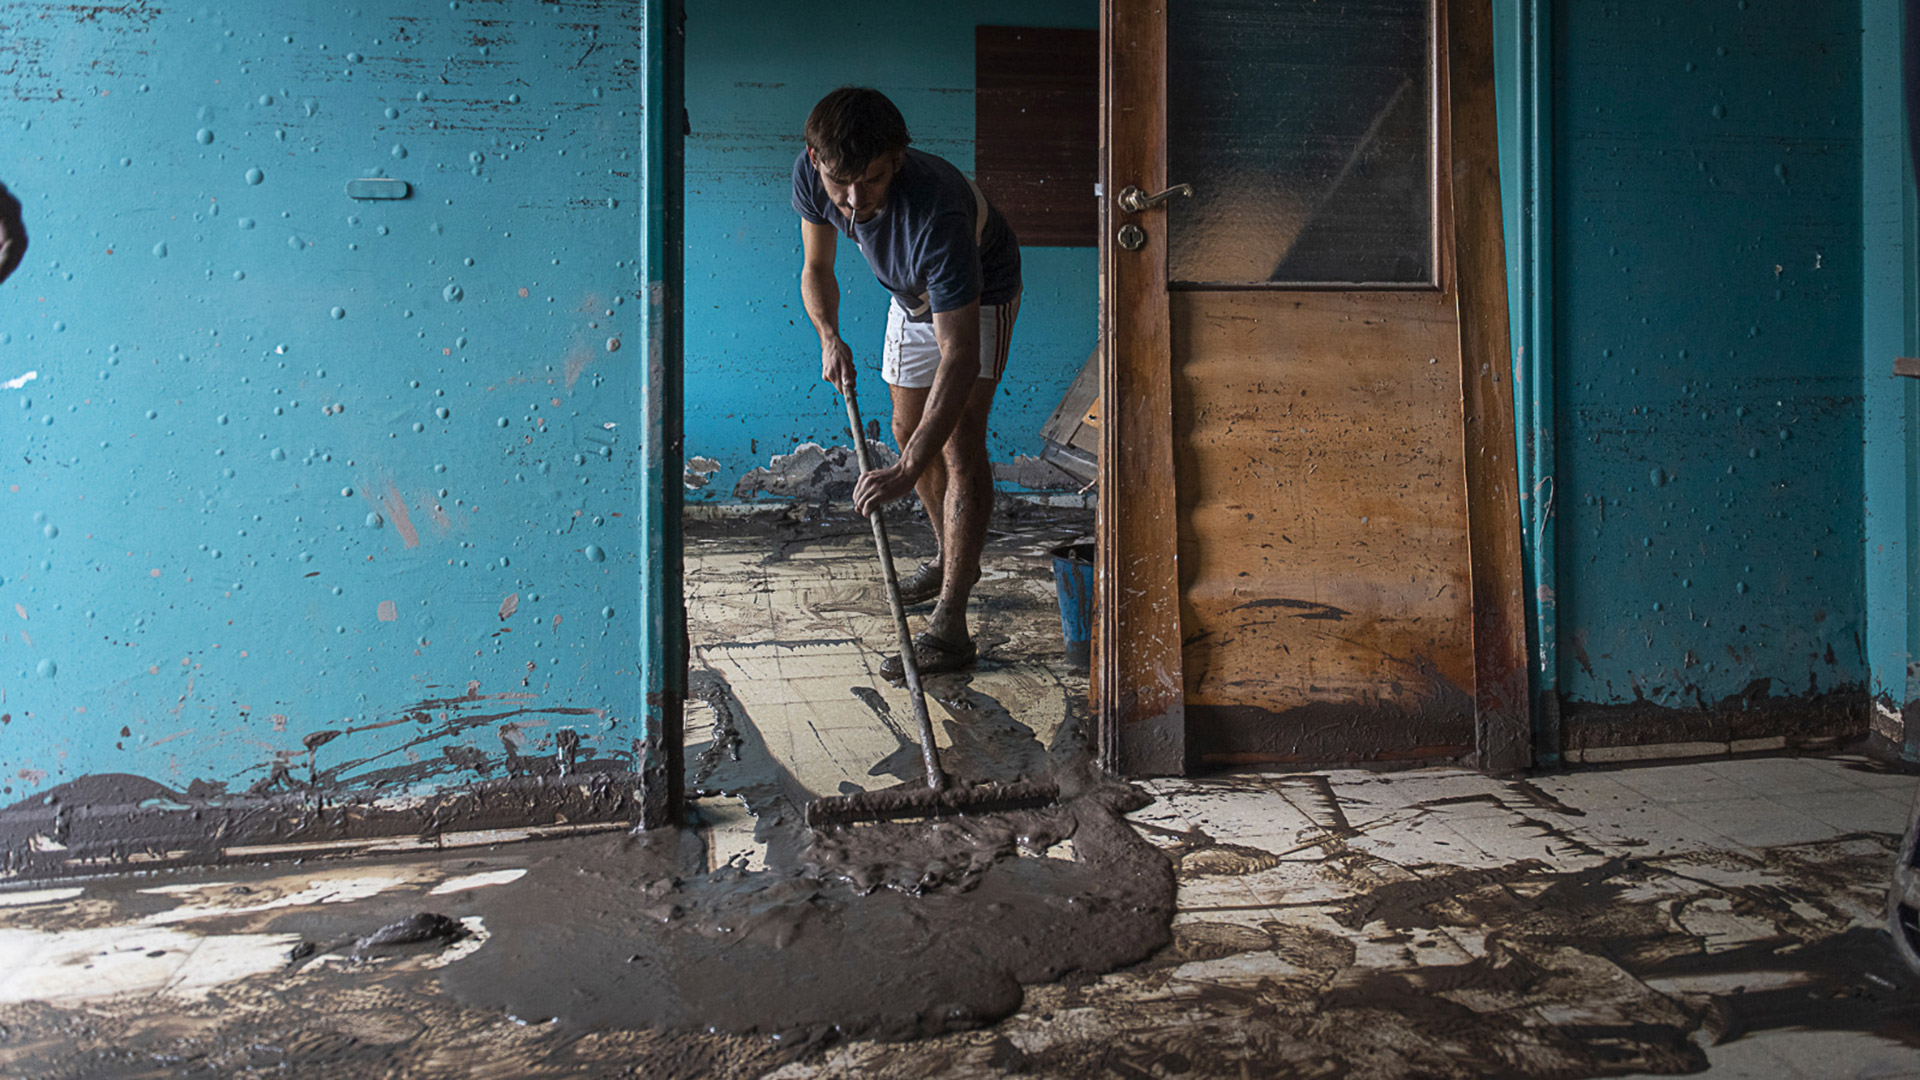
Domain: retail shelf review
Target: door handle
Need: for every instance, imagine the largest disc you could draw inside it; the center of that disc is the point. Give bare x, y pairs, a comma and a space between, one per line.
1133, 200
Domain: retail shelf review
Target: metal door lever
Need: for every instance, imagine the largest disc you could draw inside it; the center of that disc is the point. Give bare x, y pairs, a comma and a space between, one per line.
1133, 200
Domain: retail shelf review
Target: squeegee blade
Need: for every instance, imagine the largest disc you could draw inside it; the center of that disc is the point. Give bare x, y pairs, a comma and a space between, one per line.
909, 802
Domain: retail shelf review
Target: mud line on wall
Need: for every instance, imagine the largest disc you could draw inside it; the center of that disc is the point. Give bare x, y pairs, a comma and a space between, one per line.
1755, 716
115, 820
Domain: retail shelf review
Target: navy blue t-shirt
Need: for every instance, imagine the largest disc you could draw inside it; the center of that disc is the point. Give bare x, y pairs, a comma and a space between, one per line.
927, 245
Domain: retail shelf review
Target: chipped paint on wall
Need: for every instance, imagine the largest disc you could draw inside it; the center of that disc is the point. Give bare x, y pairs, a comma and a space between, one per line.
295, 466
753, 386
1708, 350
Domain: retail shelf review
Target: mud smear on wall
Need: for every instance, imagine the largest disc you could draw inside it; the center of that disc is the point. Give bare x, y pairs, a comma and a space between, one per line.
543, 773
1804, 721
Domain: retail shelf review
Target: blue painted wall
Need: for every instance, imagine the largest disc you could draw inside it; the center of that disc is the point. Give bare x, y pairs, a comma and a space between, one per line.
1888, 331
754, 70
301, 485
1707, 349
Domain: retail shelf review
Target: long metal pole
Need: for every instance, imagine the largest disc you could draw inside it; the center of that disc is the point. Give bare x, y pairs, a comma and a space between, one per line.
936, 779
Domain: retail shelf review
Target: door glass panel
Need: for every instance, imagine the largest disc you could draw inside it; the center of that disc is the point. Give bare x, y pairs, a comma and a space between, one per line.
1307, 130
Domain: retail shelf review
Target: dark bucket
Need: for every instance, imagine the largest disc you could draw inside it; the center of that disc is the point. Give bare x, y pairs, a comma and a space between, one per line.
1073, 585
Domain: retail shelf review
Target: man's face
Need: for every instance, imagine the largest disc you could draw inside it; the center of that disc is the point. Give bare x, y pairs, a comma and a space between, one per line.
859, 197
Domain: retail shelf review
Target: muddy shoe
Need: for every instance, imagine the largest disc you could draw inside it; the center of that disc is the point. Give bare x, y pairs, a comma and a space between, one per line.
920, 586
932, 656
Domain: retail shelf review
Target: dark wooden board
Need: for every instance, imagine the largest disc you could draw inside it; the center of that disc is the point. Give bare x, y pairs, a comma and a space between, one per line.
1037, 130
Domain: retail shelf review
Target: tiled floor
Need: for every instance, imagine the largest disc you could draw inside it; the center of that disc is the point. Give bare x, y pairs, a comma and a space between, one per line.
797, 630
1427, 881
1720, 917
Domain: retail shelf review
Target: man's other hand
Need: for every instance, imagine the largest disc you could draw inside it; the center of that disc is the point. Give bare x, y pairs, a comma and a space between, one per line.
836, 364
880, 487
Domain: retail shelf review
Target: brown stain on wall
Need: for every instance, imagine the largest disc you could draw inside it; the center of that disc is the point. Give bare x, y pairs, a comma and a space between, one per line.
1803, 721
1431, 725
117, 820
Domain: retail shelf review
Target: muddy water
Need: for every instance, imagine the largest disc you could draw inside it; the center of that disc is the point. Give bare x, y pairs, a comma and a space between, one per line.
625, 932
621, 946
617, 953
885, 931
888, 931
1620, 967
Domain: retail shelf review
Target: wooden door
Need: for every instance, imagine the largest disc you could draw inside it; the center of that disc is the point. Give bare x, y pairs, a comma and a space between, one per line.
1309, 532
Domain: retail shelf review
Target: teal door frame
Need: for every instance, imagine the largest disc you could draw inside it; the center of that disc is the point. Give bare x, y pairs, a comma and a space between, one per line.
663, 634
1523, 31
1890, 328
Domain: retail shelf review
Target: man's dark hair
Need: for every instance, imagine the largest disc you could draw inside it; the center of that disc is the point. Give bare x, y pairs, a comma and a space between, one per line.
852, 126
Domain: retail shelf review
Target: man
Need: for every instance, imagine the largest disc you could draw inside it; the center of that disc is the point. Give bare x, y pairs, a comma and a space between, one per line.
953, 267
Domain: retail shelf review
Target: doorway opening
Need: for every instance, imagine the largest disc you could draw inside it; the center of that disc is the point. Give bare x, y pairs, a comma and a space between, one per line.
787, 615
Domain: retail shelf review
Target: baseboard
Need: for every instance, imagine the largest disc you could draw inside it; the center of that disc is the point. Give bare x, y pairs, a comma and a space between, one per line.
1753, 722
116, 822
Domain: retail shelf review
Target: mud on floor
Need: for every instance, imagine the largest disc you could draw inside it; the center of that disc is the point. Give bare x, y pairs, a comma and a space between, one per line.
1304, 952
1433, 923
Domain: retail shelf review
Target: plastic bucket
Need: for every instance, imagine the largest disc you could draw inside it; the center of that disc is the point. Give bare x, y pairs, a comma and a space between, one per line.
1073, 586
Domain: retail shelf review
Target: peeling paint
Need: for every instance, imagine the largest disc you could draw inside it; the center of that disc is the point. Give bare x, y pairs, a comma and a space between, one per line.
813, 473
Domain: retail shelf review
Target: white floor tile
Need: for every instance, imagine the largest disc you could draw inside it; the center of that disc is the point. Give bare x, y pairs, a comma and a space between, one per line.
97, 962
1837, 1054
1852, 809
1679, 783
1772, 777
1756, 822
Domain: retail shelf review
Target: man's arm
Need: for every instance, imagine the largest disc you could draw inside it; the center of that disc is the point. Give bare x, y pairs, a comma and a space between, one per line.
820, 294
958, 332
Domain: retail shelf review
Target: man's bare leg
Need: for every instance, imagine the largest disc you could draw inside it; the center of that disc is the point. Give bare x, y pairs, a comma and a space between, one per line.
969, 484
909, 402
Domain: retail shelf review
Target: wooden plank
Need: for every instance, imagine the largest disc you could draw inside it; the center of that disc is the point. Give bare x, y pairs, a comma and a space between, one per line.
1323, 526
1503, 736
1907, 365
1074, 421
1141, 690
1036, 130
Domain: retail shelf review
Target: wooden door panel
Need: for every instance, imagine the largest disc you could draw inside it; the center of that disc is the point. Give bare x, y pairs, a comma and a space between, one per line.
1324, 570
1309, 525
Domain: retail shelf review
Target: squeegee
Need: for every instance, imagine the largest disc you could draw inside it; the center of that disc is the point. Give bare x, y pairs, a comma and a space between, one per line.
940, 797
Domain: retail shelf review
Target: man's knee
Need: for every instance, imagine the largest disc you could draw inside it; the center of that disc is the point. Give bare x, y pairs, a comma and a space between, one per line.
966, 449
966, 454
902, 429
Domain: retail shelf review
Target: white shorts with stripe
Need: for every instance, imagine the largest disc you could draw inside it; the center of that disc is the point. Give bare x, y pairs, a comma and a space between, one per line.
912, 353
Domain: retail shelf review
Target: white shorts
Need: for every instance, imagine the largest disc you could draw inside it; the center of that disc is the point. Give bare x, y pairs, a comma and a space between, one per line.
912, 353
